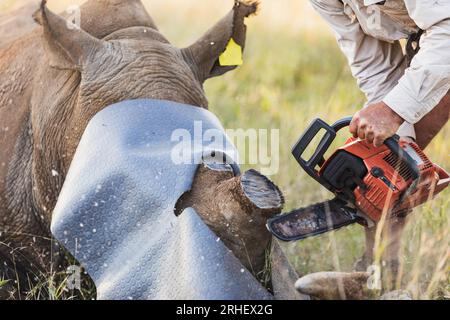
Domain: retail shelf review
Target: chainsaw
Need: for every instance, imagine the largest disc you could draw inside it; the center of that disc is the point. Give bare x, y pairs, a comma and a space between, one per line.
369, 182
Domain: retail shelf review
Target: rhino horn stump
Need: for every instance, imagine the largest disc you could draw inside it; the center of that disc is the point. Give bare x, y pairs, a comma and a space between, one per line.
236, 209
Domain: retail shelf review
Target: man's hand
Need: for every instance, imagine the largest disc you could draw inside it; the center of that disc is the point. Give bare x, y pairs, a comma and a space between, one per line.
375, 123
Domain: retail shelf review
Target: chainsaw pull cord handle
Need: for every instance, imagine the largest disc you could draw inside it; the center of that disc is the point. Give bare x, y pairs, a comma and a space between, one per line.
394, 145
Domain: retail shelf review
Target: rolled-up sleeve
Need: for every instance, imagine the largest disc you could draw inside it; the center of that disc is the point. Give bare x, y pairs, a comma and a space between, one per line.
427, 80
377, 65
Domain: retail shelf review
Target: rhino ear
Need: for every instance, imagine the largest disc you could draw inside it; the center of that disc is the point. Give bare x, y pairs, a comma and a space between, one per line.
67, 45
220, 49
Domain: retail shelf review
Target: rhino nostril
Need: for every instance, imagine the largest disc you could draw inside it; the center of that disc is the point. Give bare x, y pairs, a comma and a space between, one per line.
182, 203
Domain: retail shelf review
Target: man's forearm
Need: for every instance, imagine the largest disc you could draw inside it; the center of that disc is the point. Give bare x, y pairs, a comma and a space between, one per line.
427, 80
433, 122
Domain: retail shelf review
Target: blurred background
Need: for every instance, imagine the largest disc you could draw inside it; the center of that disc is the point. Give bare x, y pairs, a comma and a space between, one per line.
294, 72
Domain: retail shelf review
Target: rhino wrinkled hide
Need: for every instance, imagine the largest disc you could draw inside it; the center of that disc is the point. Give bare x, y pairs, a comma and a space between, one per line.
115, 214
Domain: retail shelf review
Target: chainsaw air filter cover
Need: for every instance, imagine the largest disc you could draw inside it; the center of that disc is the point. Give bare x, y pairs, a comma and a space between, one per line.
345, 172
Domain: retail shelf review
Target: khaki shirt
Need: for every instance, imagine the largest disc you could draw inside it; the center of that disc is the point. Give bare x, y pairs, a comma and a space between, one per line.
368, 32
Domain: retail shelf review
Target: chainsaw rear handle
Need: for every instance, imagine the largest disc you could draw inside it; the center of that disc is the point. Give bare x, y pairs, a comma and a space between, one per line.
317, 159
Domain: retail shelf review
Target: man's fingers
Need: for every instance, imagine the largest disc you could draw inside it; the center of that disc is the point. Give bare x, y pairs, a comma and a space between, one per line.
361, 133
354, 125
362, 129
379, 140
375, 123
370, 136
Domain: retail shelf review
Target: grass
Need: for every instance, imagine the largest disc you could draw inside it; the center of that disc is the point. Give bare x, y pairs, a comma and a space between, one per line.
293, 73
3, 282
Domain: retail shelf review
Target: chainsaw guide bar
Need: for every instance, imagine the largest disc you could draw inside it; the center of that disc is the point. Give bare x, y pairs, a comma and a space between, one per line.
313, 220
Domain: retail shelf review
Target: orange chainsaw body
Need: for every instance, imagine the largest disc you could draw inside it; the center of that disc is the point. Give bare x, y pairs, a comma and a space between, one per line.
395, 191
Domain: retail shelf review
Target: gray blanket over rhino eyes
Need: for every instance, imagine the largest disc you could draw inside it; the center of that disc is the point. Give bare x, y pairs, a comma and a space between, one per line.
115, 214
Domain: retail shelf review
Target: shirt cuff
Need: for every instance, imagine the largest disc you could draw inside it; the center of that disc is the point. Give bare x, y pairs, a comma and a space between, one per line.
404, 105
407, 130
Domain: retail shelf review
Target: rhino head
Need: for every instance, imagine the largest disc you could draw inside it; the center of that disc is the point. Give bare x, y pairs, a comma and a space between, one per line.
69, 73
124, 56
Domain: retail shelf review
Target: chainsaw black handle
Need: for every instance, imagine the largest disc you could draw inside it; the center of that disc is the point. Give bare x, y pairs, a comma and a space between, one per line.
327, 140
318, 157
341, 124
